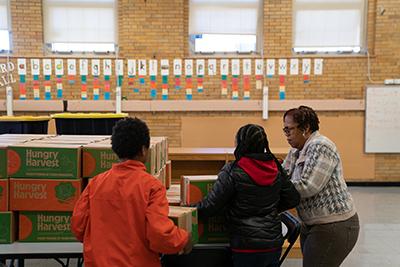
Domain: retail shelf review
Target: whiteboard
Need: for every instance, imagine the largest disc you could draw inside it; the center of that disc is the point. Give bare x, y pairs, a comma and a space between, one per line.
382, 119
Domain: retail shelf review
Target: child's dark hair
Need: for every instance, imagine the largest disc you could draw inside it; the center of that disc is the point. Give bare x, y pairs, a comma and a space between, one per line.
129, 136
304, 115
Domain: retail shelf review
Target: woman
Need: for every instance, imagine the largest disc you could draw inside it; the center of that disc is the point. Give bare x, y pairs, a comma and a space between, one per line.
254, 189
330, 222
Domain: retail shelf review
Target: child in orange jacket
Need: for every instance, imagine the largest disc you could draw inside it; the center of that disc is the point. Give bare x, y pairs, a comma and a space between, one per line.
122, 215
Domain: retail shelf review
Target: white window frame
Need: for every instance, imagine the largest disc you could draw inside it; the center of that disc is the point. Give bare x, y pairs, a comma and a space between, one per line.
51, 43
331, 5
239, 5
8, 28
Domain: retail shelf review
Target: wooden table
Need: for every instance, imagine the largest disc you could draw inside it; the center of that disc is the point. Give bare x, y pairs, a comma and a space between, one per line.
204, 161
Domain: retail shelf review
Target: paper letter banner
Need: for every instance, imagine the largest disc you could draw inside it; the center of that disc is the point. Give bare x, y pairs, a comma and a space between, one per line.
21, 66
35, 68
107, 68
259, 72
246, 66
200, 73
83, 87
246, 87
71, 70
165, 87
83, 70
224, 66
165, 73
47, 75
282, 66
83, 67
22, 82
235, 93
306, 69
188, 87
177, 72
142, 70
294, 66
281, 87
106, 87
270, 68
59, 69
132, 73
47, 87
212, 67
235, 67
153, 75
189, 67
224, 85
95, 87
318, 66
96, 67
153, 86
119, 71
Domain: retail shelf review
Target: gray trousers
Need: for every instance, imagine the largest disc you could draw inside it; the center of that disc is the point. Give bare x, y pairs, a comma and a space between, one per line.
327, 245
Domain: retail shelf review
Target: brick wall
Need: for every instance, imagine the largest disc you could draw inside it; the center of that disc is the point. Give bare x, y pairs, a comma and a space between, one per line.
157, 29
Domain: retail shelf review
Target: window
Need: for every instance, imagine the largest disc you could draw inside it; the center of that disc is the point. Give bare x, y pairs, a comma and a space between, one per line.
336, 26
225, 26
80, 26
5, 26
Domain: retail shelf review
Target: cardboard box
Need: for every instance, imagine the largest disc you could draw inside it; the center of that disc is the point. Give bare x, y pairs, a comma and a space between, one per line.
151, 161
44, 194
97, 158
195, 188
174, 190
174, 200
185, 218
8, 227
3, 157
45, 226
47, 161
168, 174
4, 193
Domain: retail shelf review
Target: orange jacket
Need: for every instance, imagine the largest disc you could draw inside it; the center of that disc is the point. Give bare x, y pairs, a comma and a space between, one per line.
122, 219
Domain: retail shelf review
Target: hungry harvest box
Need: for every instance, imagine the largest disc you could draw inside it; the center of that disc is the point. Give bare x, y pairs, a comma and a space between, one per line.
3, 156
45, 226
4, 193
45, 161
44, 194
8, 227
185, 218
97, 158
193, 189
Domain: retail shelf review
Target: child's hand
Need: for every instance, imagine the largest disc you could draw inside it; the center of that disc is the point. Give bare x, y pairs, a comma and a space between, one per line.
189, 245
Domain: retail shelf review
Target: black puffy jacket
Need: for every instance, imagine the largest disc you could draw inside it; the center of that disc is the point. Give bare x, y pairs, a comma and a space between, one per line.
254, 191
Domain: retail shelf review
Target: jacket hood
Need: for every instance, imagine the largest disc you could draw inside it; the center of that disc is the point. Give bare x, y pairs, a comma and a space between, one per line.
260, 167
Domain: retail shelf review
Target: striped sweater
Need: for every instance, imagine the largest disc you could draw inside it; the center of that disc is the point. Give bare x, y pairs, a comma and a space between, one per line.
316, 172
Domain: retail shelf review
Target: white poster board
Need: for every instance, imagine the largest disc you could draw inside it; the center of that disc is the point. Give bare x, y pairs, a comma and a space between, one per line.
382, 119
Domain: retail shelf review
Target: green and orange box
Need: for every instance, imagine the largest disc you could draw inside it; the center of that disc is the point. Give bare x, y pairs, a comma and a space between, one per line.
47, 161
185, 218
45, 226
97, 158
8, 227
193, 189
44, 194
4, 195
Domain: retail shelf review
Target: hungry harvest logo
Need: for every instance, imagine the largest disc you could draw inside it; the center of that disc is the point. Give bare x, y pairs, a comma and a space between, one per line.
65, 192
40, 158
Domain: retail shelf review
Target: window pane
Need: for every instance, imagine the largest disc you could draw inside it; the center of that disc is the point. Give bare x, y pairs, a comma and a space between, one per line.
225, 43
4, 40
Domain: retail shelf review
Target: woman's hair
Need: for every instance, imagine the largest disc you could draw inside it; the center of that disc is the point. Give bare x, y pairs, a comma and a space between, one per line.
250, 139
129, 136
304, 115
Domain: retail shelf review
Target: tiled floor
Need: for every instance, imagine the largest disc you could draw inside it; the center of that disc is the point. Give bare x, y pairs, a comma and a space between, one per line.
379, 241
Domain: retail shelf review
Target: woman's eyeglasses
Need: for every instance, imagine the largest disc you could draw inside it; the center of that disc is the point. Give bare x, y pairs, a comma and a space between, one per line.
288, 131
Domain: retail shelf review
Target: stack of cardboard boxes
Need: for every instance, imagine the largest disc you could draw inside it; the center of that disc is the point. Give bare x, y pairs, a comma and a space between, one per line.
42, 177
